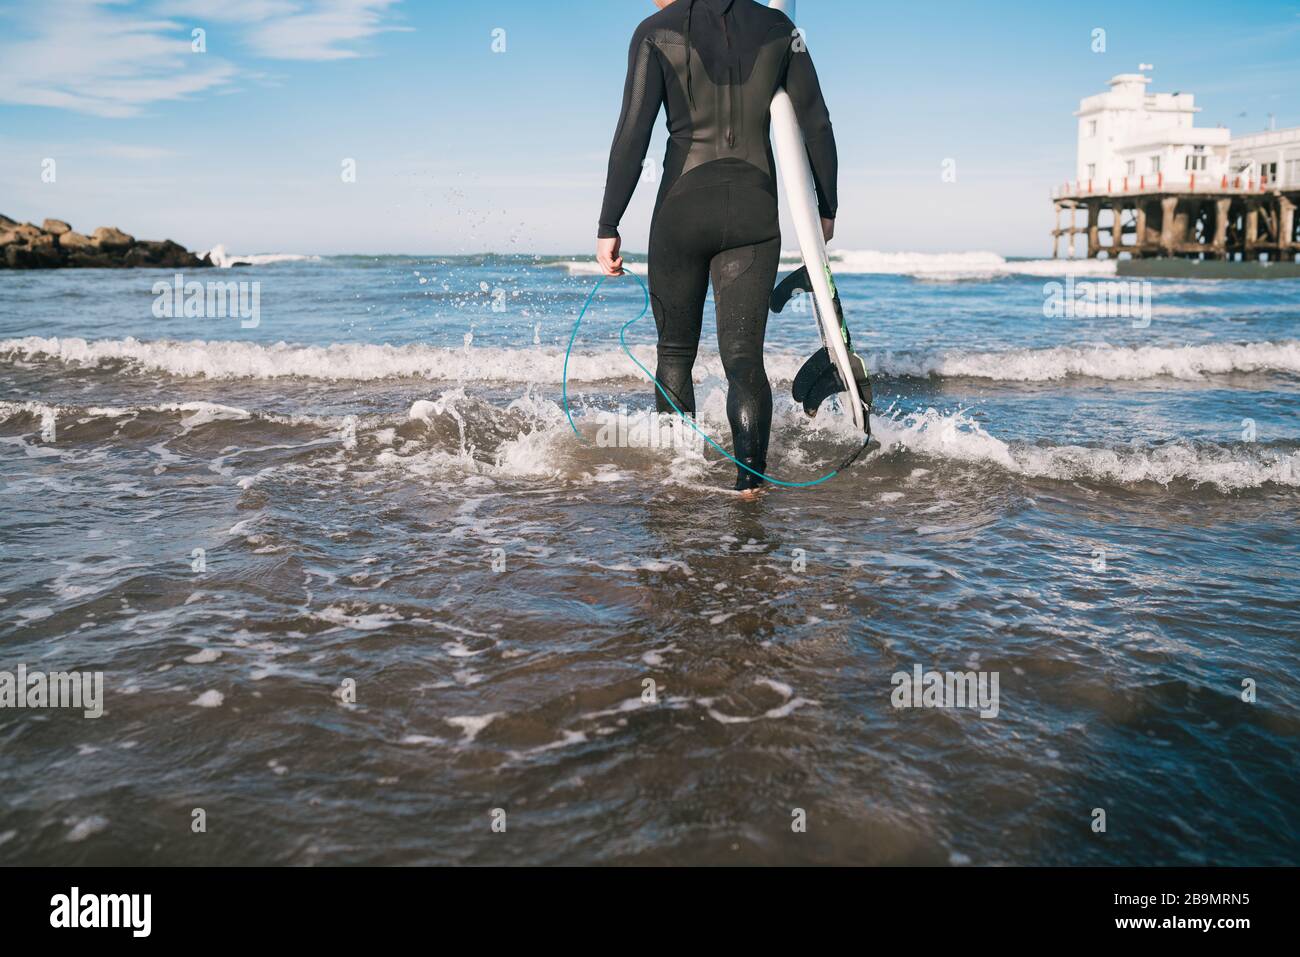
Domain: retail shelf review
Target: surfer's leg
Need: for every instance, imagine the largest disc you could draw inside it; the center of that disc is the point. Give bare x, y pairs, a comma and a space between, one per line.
679, 283
742, 287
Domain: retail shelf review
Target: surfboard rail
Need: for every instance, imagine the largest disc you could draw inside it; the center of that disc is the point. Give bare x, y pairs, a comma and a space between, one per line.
801, 197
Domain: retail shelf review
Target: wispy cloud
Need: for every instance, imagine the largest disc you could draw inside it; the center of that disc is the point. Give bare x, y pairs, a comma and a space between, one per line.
97, 58
128, 151
301, 30
109, 58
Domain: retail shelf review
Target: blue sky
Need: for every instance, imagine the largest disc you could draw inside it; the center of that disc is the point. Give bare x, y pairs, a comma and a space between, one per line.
462, 149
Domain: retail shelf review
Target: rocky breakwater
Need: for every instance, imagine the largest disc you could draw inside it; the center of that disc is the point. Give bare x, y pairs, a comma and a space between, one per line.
54, 244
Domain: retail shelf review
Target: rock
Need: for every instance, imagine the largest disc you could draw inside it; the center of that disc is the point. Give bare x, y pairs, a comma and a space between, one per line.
138, 256
75, 240
19, 257
45, 251
24, 257
112, 239
25, 246
48, 254
91, 259
174, 255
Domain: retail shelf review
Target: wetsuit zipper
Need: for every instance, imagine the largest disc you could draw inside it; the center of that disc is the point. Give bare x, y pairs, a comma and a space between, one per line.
731, 95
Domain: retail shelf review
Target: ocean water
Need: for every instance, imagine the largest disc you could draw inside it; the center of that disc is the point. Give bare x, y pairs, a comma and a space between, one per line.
360, 595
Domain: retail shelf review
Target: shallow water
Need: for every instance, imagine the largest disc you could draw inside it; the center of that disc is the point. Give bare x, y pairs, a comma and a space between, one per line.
632, 664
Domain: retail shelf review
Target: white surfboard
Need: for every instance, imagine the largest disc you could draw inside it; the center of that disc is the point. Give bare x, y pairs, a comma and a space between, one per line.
801, 194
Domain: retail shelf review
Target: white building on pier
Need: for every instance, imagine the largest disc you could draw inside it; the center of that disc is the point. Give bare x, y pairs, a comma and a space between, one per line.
1130, 139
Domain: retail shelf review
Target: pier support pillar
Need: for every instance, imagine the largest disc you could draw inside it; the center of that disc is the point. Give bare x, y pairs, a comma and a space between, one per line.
1286, 229
1221, 207
1140, 237
1056, 233
1116, 229
1250, 252
1168, 235
1094, 226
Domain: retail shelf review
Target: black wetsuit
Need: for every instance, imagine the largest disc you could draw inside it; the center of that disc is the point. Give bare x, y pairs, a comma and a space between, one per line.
715, 65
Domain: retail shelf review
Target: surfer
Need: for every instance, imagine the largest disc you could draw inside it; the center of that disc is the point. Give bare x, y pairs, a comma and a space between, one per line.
715, 65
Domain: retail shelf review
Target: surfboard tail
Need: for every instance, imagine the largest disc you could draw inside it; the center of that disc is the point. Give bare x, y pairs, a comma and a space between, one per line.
819, 378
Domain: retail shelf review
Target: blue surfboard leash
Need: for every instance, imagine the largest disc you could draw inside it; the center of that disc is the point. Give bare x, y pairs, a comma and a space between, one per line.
645, 307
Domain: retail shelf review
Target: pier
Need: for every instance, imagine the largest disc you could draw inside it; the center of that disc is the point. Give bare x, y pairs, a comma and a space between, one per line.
1159, 186
1232, 218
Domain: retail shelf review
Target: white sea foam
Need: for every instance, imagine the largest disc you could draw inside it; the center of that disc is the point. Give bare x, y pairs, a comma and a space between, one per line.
956, 437
543, 446
545, 364
1113, 363
472, 725
943, 436
82, 828
219, 256
340, 361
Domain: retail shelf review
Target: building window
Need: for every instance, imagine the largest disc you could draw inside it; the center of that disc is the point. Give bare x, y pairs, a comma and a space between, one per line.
1092, 171
1196, 160
1092, 127
1293, 172
1155, 164
1130, 168
1267, 173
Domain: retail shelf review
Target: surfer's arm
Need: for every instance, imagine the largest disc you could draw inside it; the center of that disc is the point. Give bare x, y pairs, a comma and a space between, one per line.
643, 94
815, 123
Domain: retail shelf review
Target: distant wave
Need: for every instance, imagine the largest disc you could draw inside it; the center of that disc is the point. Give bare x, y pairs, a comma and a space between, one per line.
589, 267
938, 267
545, 364
935, 267
220, 257
958, 266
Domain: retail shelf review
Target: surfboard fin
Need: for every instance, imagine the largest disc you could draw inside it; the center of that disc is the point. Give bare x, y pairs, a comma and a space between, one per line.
797, 281
818, 380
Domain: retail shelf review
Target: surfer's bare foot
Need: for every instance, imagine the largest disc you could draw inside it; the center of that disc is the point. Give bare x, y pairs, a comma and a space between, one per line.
751, 494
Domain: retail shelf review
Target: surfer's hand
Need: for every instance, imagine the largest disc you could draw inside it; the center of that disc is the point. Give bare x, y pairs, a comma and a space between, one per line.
607, 254
828, 229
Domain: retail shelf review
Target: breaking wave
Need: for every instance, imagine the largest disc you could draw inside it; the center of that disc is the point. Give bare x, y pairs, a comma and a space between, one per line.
545, 364
459, 434
220, 257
